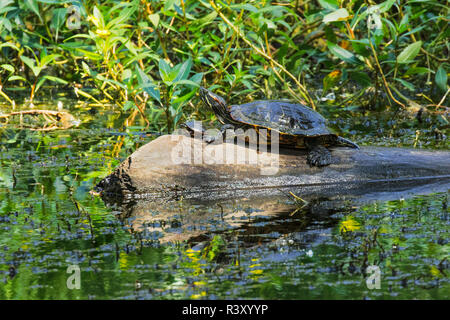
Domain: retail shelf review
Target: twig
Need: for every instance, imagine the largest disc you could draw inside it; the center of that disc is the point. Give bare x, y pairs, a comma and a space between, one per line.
433, 56
443, 99
386, 85
142, 111
46, 112
65, 118
298, 201
4, 95
85, 94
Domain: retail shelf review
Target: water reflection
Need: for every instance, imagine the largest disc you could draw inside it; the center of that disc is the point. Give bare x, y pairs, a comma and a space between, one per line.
244, 248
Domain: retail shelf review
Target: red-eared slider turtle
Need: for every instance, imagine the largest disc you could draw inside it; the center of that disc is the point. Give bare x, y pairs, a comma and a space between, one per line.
298, 126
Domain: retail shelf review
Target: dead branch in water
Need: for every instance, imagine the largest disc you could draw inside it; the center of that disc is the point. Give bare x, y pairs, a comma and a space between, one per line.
54, 120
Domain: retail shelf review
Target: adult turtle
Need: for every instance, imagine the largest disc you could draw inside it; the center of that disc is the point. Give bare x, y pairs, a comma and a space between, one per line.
298, 126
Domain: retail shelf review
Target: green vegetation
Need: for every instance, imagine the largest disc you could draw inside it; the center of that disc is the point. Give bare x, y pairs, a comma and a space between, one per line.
105, 72
149, 57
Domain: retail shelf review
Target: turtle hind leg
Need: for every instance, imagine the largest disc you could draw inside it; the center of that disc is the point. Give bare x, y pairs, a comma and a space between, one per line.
319, 156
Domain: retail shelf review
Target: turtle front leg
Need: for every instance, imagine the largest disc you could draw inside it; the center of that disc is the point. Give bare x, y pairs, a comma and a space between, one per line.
318, 155
225, 127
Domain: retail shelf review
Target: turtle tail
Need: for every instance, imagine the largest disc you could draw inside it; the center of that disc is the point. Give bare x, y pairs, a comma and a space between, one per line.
342, 142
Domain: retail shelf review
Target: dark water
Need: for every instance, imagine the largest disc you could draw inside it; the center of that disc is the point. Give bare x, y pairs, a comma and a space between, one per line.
49, 222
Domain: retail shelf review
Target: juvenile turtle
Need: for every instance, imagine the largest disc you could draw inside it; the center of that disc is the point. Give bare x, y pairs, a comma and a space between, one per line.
195, 128
298, 125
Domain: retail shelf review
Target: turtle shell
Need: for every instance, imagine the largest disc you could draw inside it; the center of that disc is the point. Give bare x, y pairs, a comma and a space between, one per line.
282, 116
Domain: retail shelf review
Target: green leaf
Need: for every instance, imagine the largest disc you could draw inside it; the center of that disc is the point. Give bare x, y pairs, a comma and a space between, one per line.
338, 15
277, 11
361, 47
14, 139
329, 4
187, 82
124, 15
58, 19
197, 78
128, 105
56, 79
409, 53
33, 5
154, 18
206, 19
182, 99
55, 1
40, 83
5, 3
8, 67
417, 29
417, 70
441, 78
147, 86
169, 5
91, 55
86, 68
98, 22
351, 108
245, 6
361, 78
31, 64
165, 71
343, 54
404, 23
5, 23
408, 85
8, 44
47, 59
14, 78
182, 70
126, 75
385, 6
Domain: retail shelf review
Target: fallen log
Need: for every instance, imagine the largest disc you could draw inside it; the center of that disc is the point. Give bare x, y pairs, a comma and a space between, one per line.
176, 166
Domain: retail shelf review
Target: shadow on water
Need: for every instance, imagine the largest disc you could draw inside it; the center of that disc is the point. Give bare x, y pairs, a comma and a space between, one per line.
276, 248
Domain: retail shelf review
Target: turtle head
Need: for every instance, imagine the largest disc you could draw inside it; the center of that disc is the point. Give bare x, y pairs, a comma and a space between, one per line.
212, 100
